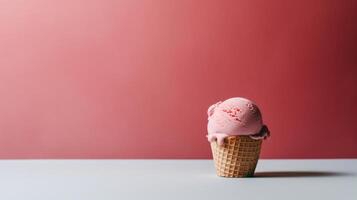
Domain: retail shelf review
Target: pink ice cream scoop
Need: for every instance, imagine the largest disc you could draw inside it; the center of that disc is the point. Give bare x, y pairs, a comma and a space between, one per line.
235, 116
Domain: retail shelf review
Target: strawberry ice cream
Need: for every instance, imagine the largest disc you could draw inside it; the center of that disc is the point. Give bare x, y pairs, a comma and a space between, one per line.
235, 116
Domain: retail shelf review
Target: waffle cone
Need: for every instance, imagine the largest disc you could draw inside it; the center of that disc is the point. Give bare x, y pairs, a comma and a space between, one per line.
238, 157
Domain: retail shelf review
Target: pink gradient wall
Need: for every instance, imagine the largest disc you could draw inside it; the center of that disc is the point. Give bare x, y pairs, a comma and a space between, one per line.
133, 78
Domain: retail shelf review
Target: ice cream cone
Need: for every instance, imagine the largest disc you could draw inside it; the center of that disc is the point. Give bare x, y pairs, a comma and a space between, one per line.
237, 157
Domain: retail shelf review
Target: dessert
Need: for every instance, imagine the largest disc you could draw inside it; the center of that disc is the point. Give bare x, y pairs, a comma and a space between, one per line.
235, 131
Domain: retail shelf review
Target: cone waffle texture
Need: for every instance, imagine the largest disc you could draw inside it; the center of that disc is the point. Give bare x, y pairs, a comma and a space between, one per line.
238, 156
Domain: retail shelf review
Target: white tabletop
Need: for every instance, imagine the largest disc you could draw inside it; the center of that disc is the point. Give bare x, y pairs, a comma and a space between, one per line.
174, 179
